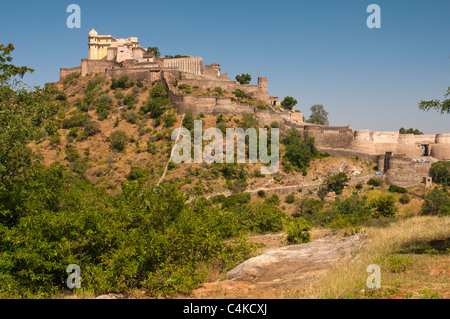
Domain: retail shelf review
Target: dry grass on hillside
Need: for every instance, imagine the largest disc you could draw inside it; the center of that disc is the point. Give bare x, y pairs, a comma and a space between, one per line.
410, 266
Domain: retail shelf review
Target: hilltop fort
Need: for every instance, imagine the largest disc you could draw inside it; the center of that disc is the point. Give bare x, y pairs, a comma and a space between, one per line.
405, 159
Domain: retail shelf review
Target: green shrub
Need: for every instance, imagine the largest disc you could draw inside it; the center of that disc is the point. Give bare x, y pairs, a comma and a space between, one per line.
397, 189
440, 172
81, 105
260, 218
262, 193
71, 153
143, 129
275, 125
105, 98
220, 119
136, 172
240, 94
170, 120
102, 107
185, 88
299, 151
322, 193
119, 140
234, 200
70, 77
307, 206
290, 199
336, 183
75, 121
374, 182
397, 264
158, 91
91, 128
119, 95
61, 96
156, 106
436, 202
131, 117
130, 100
384, 206
404, 199
143, 238
73, 132
273, 200
297, 230
122, 83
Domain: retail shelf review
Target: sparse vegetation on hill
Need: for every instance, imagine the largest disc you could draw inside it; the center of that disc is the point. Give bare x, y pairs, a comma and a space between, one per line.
77, 186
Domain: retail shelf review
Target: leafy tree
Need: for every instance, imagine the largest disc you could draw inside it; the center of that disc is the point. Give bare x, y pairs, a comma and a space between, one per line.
122, 83
397, 189
290, 199
440, 172
158, 91
220, 119
244, 78
384, 206
410, 131
299, 150
240, 94
336, 183
318, 115
307, 206
248, 121
289, 102
77, 120
118, 139
170, 120
261, 217
23, 113
374, 182
273, 200
297, 230
155, 106
404, 199
154, 50
437, 202
188, 121
91, 128
157, 103
7, 70
441, 106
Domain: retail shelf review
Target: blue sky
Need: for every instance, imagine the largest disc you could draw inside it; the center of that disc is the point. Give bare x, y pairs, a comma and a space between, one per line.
320, 52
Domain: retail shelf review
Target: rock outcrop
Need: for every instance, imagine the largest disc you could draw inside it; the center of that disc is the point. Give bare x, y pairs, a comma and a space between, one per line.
289, 267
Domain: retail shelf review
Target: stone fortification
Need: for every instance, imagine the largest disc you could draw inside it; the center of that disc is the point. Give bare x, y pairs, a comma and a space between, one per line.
393, 152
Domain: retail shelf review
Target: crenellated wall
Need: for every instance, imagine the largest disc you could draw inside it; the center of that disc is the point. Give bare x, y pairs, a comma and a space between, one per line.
146, 74
441, 150
331, 136
438, 145
402, 171
189, 64
65, 72
95, 66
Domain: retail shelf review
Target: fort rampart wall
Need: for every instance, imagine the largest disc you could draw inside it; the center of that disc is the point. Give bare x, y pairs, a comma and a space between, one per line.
65, 72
